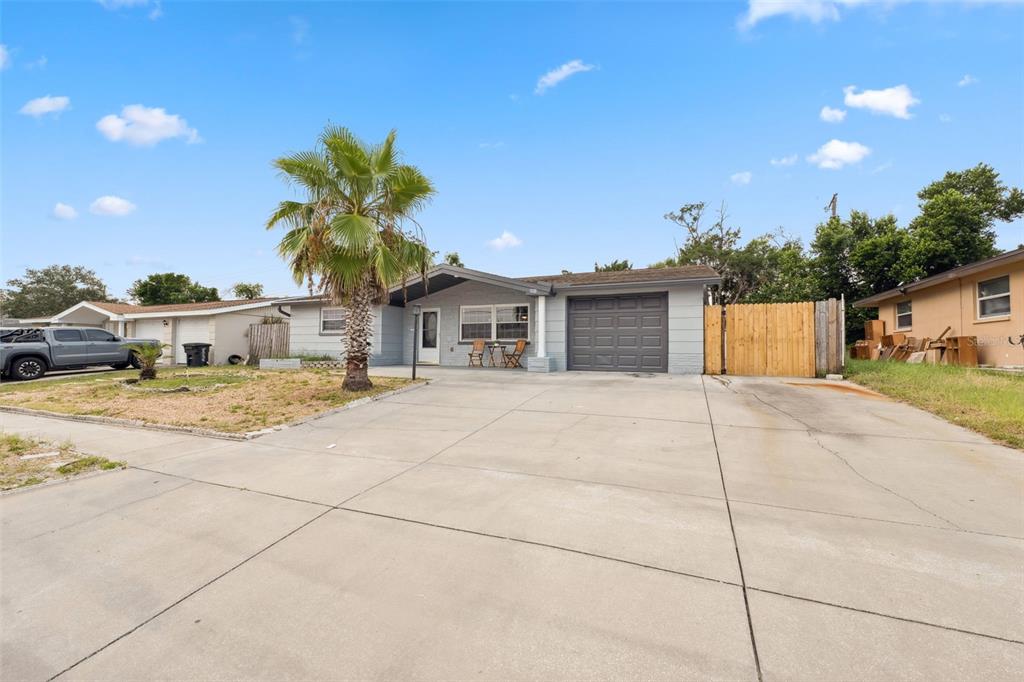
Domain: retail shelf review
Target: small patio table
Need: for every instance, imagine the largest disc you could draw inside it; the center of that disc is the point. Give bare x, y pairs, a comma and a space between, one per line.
491, 347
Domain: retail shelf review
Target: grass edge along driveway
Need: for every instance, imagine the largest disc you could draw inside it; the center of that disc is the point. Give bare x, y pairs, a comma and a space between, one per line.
989, 402
225, 399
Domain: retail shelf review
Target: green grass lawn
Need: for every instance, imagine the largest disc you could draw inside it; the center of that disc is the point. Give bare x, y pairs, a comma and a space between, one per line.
989, 402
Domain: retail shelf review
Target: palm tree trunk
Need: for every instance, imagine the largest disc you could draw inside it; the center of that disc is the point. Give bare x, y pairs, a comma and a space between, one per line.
358, 339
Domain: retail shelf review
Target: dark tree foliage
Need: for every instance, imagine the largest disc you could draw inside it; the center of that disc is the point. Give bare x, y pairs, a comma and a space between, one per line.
453, 258
170, 287
49, 290
247, 290
614, 266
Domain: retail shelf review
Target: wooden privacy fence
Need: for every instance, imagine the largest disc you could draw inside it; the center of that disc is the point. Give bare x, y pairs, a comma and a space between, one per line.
774, 339
267, 341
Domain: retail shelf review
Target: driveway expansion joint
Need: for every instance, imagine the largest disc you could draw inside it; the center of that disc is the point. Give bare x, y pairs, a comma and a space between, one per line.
732, 529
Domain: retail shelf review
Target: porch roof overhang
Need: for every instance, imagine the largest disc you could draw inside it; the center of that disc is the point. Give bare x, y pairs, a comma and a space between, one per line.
442, 277
84, 305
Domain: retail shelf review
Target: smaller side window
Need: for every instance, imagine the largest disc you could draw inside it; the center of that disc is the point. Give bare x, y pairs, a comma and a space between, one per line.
98, 335
67, 335
904, 319
332, 320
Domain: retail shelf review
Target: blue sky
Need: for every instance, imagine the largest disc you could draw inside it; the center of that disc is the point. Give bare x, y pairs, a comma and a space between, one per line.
646, 107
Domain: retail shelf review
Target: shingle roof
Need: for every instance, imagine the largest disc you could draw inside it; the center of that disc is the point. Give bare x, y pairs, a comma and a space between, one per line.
628, 276
122, 308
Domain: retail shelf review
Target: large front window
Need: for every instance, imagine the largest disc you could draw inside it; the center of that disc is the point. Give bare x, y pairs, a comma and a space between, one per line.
994, 297
504, 322
903, 315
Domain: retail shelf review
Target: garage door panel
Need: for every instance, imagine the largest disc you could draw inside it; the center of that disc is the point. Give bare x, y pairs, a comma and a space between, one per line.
610, 333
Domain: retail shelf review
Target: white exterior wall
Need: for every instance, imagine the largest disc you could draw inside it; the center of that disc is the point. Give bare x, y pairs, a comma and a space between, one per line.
231, 332
685, 324
452, 351
305, 337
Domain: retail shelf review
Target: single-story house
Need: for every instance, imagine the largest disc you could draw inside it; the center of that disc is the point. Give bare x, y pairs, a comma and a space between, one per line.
224, 324
649, 320
983, 299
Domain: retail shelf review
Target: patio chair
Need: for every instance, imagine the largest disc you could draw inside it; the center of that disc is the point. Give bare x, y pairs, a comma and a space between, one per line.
512, 359
476, 356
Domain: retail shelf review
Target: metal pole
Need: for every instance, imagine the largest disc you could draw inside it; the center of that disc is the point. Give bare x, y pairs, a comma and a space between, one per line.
415, 345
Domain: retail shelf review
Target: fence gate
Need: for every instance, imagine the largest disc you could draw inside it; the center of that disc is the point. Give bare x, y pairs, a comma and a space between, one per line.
267, 341
773, 339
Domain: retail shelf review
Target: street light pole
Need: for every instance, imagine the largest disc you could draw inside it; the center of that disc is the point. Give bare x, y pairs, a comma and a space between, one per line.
415, 338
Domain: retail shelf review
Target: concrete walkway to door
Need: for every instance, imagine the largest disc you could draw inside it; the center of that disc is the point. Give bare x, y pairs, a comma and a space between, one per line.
507, 525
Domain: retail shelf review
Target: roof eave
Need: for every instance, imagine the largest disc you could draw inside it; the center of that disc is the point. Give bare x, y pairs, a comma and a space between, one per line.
531, 288
644, 283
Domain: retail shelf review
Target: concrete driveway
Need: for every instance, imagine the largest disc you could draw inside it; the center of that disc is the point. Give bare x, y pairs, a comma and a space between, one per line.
500, 525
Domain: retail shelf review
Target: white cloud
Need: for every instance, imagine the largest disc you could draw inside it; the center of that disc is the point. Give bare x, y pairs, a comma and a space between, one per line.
492, 145
835, 154
814, 11
881, 168
145, 126
507, 240
121, 4
830, 115
785, 160
64, 212
40, 106
556, 76
111, 205
895, 101
817, 11
945, 118
741, 178
968, 79
37, 63
5, 57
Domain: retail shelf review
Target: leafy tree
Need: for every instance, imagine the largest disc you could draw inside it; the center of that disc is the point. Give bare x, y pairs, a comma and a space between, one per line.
49, 290
351, 232
452, 258
614, 266
957, 221
247, 290
788, 272
742, 269
170, 287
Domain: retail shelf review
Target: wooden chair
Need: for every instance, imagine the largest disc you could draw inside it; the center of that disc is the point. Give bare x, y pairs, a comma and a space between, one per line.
512, 359
476, 356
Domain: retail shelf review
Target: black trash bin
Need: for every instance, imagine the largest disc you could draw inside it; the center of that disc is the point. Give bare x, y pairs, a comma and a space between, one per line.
197, 354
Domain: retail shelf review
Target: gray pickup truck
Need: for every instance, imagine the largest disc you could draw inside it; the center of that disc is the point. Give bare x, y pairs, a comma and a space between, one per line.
30, 352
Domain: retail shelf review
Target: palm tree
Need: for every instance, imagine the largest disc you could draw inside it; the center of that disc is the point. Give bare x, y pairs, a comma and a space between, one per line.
351, 235
145, 356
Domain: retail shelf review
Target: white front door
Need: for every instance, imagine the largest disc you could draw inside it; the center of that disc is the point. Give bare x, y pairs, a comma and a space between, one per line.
426, 339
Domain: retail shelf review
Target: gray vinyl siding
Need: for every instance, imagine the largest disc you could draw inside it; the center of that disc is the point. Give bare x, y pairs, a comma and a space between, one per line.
305, 338
452, 351
685, 324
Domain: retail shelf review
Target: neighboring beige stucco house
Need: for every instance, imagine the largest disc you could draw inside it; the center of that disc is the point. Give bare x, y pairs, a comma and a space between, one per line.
984, 299
224, 324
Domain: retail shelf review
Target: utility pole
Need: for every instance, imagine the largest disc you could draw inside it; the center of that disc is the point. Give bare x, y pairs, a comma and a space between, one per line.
833, 205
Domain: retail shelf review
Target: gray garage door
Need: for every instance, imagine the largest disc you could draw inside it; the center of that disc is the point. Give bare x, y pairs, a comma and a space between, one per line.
619, 333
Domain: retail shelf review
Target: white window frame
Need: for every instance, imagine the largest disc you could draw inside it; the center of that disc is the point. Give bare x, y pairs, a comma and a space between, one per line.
910, 311
978, 298
331, 332
494, 319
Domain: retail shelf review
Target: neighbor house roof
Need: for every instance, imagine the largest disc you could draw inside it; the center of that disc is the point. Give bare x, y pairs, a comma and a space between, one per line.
1014, 256
640, 276
127, 311
123, 308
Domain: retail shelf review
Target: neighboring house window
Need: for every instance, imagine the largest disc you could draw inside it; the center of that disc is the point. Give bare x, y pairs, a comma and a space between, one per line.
903, 317
332, 320
994, 297
505, 322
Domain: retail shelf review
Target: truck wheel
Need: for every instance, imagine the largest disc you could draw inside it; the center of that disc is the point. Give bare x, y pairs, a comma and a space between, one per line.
28, 368
120, 365
133, 360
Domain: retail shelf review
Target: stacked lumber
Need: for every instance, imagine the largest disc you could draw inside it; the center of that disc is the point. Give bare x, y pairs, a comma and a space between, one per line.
898, 347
